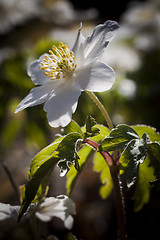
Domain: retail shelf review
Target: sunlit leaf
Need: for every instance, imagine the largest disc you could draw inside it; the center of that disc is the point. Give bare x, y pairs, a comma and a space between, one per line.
118, 137
150, 131
40, 171
44, 155
84, 154
67, 151
101, 167
91, 128
32, 186
132, 156
72, 127
145, 175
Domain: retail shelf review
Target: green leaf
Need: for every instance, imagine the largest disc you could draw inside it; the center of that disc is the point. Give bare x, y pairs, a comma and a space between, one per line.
104, 131
40, 171
100, 166
150, 131
142, 193
72, 127
44, 155
132, 156
67, 151
32, 186
84, 154
118, 138
91, 129
154, 156
70, 236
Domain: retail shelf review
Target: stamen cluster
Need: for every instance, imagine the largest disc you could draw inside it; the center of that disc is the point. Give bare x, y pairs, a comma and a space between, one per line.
59, 62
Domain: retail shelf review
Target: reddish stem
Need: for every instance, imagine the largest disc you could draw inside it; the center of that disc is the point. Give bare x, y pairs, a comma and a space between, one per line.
114, 170
105, 155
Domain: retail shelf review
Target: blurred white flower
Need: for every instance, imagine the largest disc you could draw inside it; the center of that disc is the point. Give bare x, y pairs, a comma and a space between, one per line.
63, 74
7, 211
63, 12
142, 22
122, 57
127, 88
15, 12
139, 31
61, 207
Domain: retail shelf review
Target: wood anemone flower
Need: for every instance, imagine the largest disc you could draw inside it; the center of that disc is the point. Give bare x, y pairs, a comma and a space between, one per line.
63, 74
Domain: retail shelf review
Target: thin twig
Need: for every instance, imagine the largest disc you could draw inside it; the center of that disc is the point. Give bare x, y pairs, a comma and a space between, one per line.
11, 180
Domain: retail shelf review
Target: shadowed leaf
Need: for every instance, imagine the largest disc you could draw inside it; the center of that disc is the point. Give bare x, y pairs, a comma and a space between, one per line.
132, 156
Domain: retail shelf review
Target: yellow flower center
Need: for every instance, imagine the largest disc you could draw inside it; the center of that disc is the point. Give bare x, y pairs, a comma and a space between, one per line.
59, 62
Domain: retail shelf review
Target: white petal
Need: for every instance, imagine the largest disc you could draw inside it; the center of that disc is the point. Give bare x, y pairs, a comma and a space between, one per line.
68, 203
36, 96
36, 73
43, 217
78, 49
62, 105
97, 78
94, 45
8, 211
80, 38
61, 207
68, 222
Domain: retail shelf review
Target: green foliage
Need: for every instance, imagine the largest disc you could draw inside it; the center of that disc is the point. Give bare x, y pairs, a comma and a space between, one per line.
145, 176
139, 159
32, 186
84, 154
43, 156
67, 150
40, 171
154, 157
101, 167
70, 236
117, 138
132, 156
91, 129
62, 151
72, 127
71, 153
150, 131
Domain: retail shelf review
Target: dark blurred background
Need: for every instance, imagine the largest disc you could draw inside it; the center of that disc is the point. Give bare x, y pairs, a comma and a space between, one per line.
27, 30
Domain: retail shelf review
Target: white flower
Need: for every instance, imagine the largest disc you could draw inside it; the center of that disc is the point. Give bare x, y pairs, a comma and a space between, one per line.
63, 74
61, 207
16, 12
7, 211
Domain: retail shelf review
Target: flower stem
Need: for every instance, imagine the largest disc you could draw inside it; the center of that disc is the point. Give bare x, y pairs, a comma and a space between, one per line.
33, 224
118, 195
119, 204
101, 108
